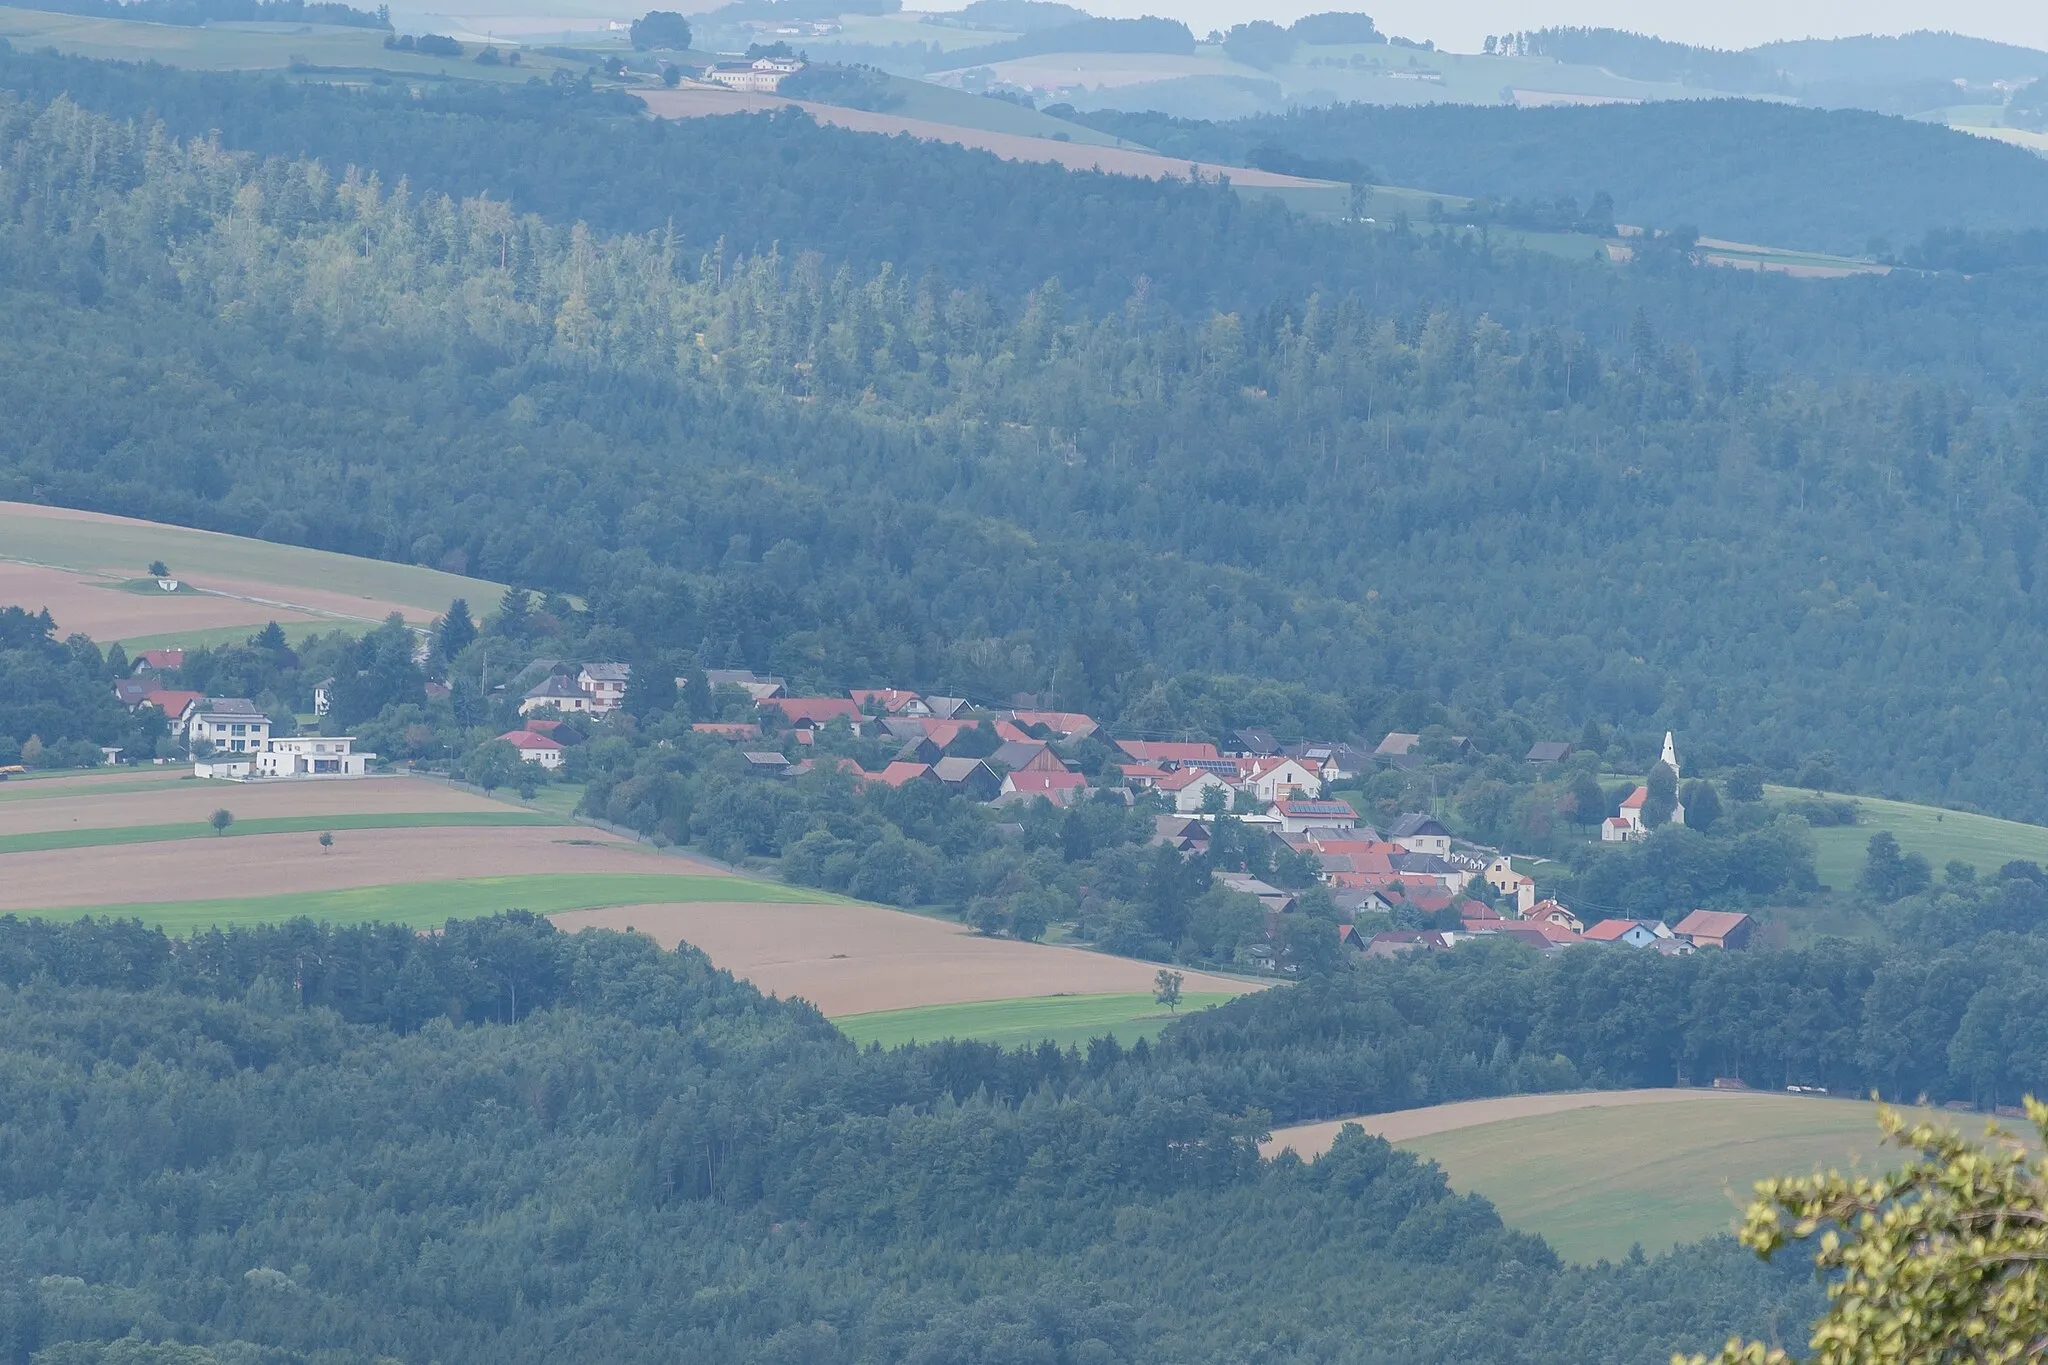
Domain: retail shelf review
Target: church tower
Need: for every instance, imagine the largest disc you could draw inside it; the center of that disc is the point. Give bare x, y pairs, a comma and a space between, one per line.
1669, 759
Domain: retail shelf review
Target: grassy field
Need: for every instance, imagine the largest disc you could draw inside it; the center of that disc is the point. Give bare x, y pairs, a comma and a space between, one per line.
1595, 1181
121, 547
296, 633
1065, 1020
280, 824
1937, 835
424, 905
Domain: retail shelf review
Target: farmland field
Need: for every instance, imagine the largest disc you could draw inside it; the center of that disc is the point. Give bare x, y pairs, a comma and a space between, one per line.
85, 803
46, 840
860, 959
76, 562
1938, 835
1595, 1173
1064, 1020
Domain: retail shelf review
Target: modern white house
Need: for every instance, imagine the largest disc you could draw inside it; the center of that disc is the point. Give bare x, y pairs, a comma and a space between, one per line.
312, 756
307, 756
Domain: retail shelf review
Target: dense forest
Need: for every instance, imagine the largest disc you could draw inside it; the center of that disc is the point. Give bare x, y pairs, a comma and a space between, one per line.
307, 1144
1747, 170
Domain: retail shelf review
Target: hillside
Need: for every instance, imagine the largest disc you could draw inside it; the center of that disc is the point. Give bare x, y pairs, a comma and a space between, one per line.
1740, 169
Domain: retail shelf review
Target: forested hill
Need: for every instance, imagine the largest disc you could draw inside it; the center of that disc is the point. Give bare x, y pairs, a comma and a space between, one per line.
1748, 170
1508, 483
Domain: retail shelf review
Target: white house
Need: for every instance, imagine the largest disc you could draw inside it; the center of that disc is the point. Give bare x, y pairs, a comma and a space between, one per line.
1636, 933
559, 692
605, 685
323, 696
1421, 834
1190, 788
312, 756
761, 76
232, 725
534, 748
1299, 817
1270, 779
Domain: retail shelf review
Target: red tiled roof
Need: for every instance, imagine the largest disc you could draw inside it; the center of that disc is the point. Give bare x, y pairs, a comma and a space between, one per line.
162, 658
1183, 778
527, 739
1145, 751
1035, 782
1059, 722
1141, 772
896, 774
1012, 735
727, 729
892, 699
816, 710
1610, 930
170, 702
544, 727
1710, 923
1636, 799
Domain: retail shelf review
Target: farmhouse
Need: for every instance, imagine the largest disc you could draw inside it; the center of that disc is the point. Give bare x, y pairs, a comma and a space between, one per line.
1717, 929
762, 76
534, 747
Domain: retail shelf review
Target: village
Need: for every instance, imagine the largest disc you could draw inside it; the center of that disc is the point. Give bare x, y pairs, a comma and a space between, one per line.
1411, 872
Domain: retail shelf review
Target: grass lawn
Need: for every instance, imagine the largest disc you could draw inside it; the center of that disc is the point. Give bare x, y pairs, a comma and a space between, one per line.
1595, 1181
425, 905
118, 548
1064, 1019
1937, 835
277, 824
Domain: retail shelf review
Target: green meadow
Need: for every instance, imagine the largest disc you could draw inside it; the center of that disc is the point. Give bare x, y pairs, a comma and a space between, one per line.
43, 840
1938, 835
426, 905
1065, 1020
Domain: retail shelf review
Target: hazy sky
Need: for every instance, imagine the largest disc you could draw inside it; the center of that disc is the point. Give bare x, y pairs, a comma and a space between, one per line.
1462, 24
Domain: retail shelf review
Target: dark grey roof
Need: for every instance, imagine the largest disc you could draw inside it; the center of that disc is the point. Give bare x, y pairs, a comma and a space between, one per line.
945, 708
556, 686
1427, 864
609, 672
228, 706
958, 769
1549, 751
1412, 824
765, 760
1014, 754
1256, 741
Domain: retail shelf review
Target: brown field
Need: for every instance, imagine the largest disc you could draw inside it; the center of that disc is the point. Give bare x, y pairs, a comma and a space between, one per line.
1075, 156
855, 959
92, 606
79, 806
78, 784
264, 864
1311, 1140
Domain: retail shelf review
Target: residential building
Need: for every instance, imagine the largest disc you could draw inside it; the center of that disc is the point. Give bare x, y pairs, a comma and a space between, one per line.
1505, 881
1635, 933
1255, 743
1270, 779
534, 747
1271, 897
1395, 942
1548, 751
1717, 929
1141, 774
323, 696
969, 776
605, 684
312, 756
1190, 788
1550, 912
758, 686
176, 706
815, 713
560, 692
1181, 833
230, 724
131, 692
766, 762
1060, 788
1299, 817
1421, 834
1166, 755
888, 701
1029, 755
762, 77
1060, 724
944, 708
159, 660
898, 773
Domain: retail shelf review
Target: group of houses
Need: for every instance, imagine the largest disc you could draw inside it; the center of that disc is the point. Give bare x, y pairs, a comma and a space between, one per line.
230, 738
1551, 927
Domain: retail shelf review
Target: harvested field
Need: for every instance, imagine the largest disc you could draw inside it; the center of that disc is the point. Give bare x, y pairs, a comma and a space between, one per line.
83, 806
859, 959
75, 782
277, 864
1075, 156
93, 606
77, 838
63, 548
1596, 1173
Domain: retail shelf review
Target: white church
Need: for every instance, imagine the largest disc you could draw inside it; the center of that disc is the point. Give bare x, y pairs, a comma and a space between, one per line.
1618, 829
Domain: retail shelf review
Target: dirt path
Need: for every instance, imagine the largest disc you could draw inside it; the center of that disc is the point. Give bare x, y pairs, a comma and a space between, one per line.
280, 864
1311, 1140
855, 959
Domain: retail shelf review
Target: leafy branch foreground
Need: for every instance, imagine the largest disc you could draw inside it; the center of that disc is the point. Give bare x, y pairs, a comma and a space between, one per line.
1940, 1260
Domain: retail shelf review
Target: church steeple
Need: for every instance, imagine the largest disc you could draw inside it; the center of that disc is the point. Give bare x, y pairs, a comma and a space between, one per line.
1670, 755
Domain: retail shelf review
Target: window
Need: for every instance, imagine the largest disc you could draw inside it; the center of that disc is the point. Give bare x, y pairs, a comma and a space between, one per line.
241, 729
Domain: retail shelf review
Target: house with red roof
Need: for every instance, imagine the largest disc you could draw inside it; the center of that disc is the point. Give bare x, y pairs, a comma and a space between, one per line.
814, 713
1060, 788
1717, 929
534, 748
159, 660
1190, 788
1269, 778
1141, 774
1550, 912
1636, 933
176, 706
888, 701
1167, 755
1062, 724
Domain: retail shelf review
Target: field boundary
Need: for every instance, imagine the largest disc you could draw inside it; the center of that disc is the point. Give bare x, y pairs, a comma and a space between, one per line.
43, 841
